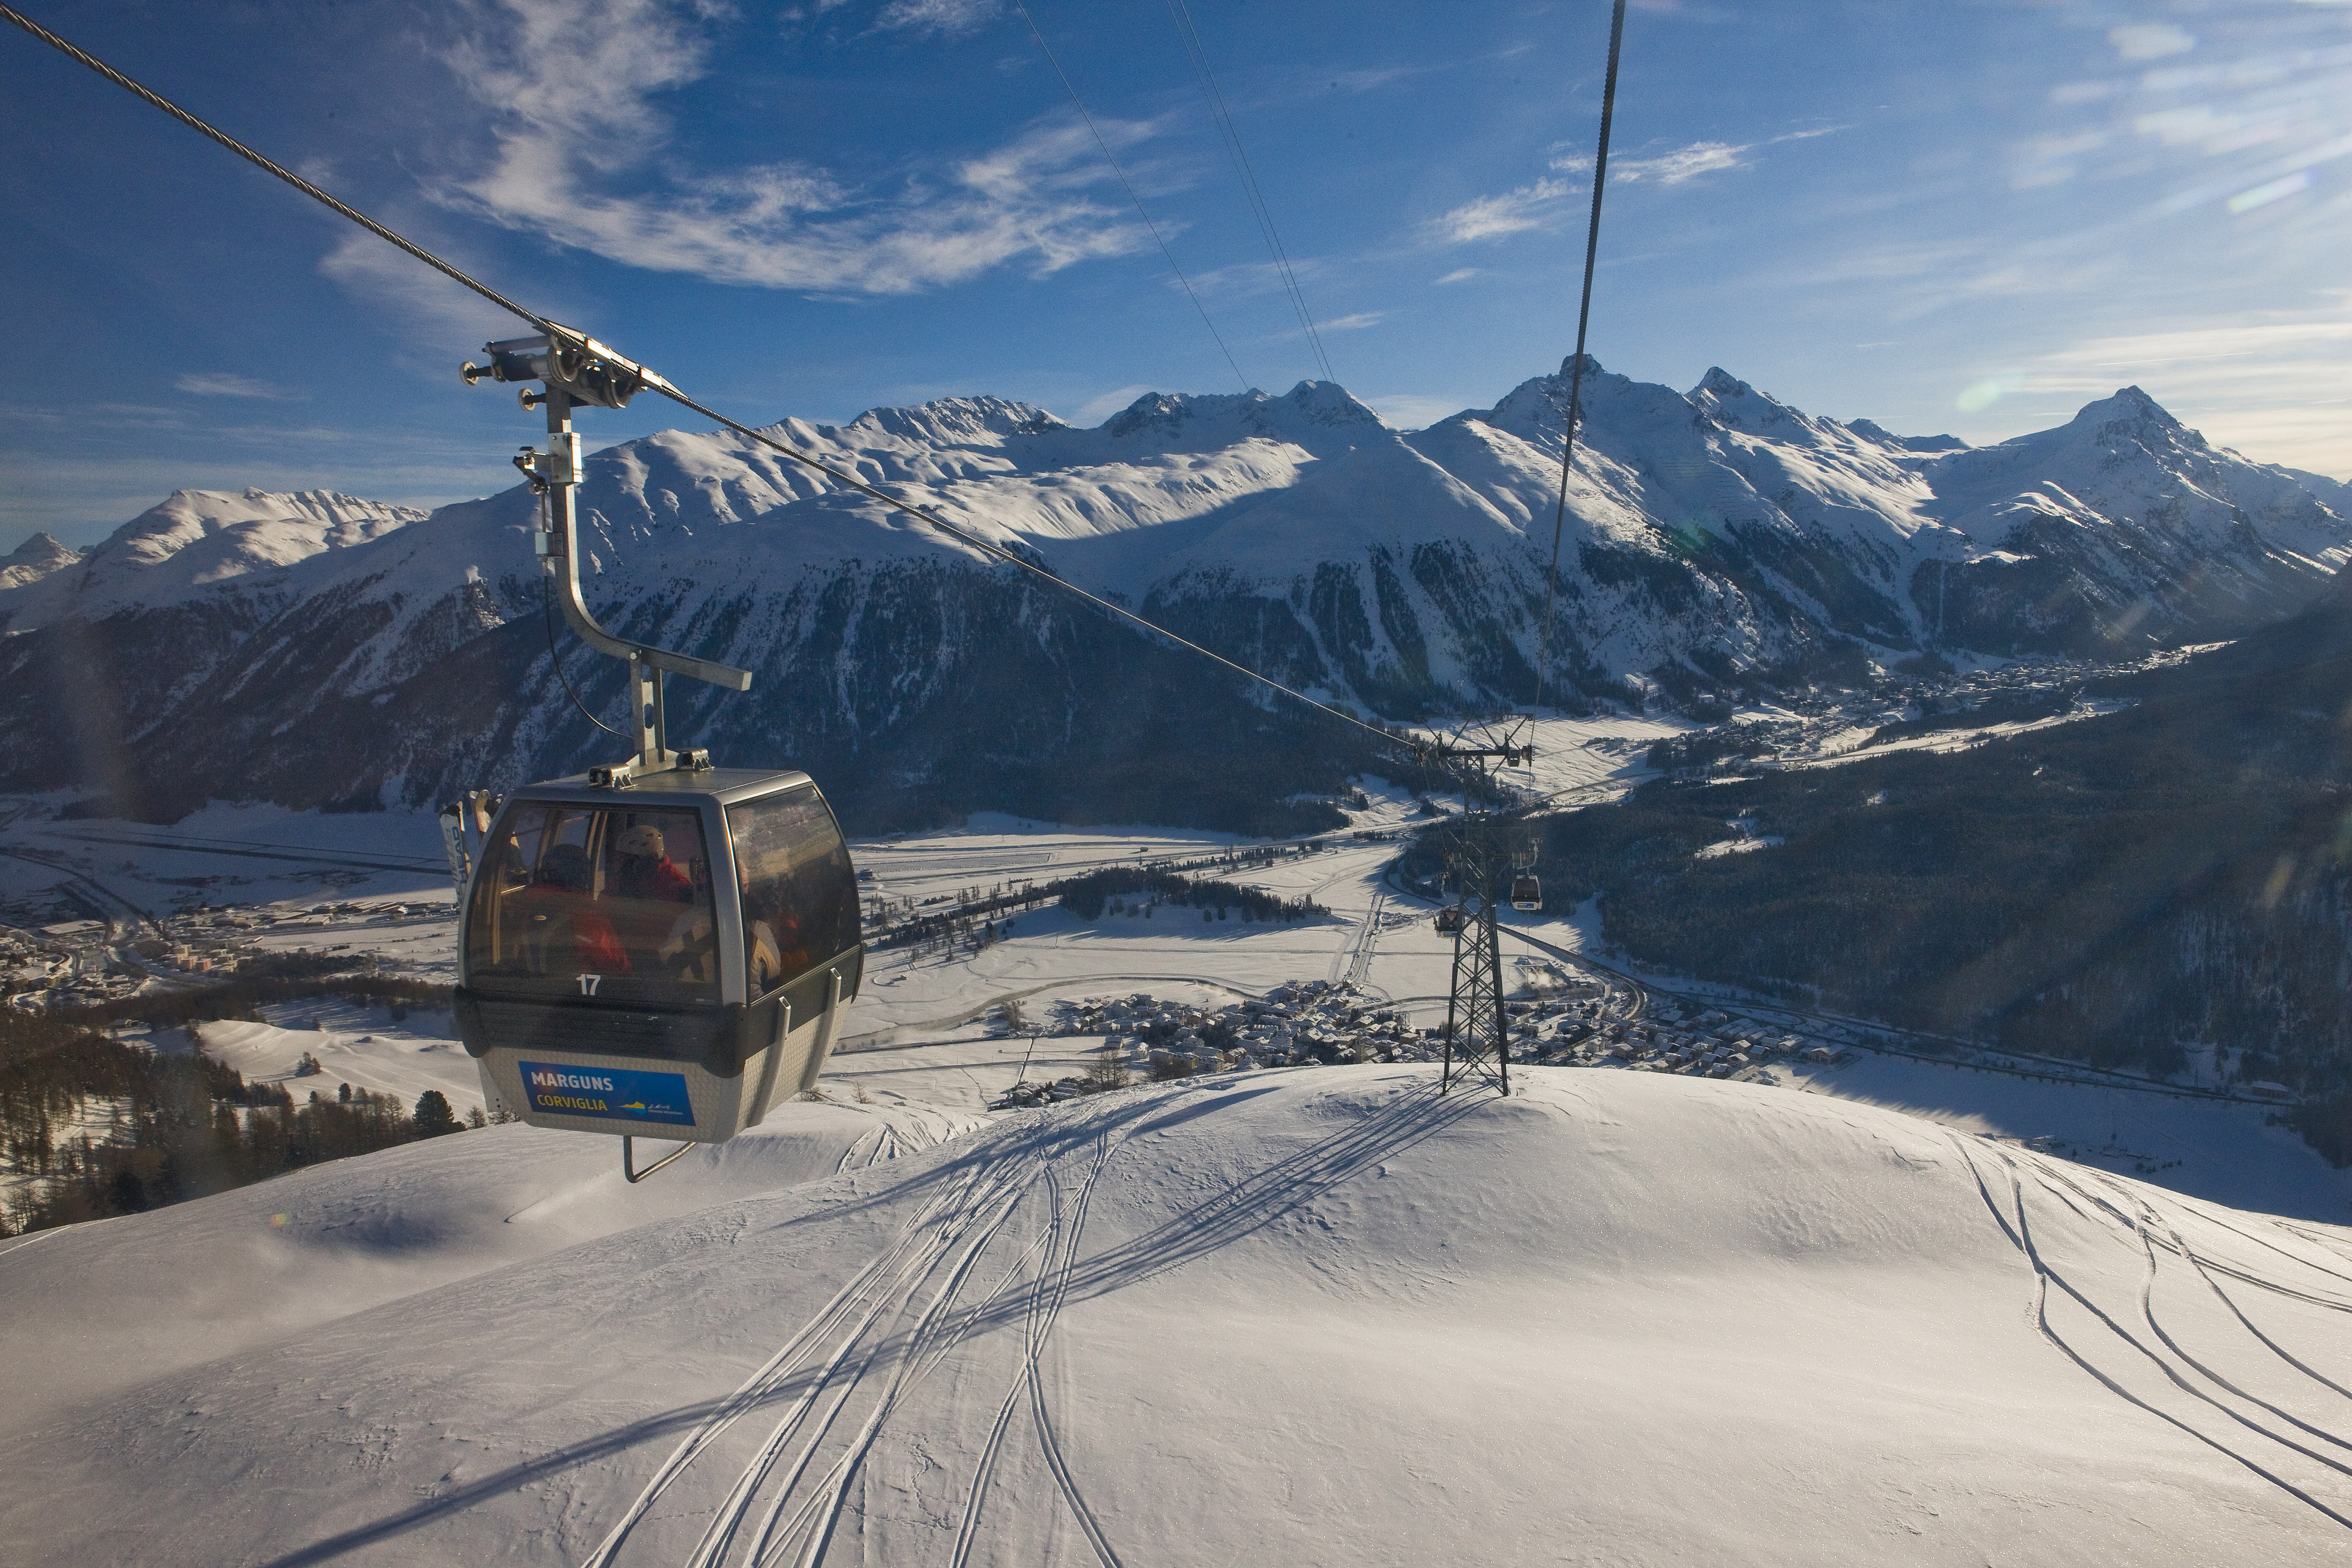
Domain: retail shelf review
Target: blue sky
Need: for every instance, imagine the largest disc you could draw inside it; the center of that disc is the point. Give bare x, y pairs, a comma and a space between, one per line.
1945, 216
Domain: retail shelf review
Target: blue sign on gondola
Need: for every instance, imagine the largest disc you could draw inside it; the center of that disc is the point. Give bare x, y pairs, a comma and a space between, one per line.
615, 1093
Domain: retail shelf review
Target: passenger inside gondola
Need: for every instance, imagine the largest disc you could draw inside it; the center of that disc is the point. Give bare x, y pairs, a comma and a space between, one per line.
562, 930
799, 900
624, 895
645, 868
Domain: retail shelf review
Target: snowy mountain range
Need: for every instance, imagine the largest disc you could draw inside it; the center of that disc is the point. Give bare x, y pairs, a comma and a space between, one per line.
318, 649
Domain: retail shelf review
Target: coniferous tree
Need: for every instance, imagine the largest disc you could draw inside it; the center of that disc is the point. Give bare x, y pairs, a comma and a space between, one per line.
432, 1116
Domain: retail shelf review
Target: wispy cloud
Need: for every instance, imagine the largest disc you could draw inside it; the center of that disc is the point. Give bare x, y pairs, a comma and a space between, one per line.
949, 16
1245, 279
2227, 122
2149, 41
439, 311
1539, 204
222, 384
579, 156
1513, 212
1355, 323
1682, 164
1459, 275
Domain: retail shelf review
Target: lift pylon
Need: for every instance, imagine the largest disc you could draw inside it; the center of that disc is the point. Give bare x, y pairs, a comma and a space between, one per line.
1477, 1041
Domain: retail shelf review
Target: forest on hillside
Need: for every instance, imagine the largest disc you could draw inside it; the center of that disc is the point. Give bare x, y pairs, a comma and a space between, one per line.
2121, 891
93, 1126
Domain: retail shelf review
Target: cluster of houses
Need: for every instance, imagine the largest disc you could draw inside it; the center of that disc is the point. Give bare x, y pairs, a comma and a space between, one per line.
1326, 1021
32, 960
1309, 1021
1710, 1045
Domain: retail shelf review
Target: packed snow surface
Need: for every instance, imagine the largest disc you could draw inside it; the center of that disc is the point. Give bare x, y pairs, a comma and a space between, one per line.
1305, 1316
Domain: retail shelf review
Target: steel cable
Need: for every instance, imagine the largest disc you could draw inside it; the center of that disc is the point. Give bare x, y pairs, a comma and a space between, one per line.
1108, 157
659, 384
1583, 316
1198, 54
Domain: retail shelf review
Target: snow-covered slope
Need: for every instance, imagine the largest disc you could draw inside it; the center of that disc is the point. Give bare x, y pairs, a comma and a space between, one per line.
197, 540
36, 559
118, 1303
314, 648
1308, 1317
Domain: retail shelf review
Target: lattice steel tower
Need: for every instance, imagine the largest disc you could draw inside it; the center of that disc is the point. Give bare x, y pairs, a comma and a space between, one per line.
1477, 1029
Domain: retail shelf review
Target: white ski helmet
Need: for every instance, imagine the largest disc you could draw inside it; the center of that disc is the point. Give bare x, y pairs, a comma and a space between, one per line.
644, 838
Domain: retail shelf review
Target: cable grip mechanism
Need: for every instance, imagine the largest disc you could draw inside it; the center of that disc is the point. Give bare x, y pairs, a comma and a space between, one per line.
576, 369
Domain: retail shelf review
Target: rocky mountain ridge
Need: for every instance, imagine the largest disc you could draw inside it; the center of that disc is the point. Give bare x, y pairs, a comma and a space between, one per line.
316, 648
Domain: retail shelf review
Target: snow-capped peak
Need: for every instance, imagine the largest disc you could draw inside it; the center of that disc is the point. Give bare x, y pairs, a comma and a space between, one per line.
952, 422
1311, 415
2130, 406
1734, 404
193, 539
34, 559
1719, 531
1870, 429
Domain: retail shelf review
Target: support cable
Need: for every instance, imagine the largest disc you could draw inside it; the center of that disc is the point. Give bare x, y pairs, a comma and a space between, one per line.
1198, 54
655, 382
1583, 316
1112, 159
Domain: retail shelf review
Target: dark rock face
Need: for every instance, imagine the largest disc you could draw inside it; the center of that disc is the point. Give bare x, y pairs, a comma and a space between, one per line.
320, 650
915, 692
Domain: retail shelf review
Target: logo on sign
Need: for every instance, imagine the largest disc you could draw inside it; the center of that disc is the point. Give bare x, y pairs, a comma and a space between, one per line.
588, 983
621, 1094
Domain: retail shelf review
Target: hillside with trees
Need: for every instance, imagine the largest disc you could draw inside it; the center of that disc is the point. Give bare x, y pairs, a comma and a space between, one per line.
2125, 889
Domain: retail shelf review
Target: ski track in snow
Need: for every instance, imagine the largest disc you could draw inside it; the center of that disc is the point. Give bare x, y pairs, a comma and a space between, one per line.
903, 1315
913, 1321
895, 1323
2138, 1216
1358, 955
935, 1406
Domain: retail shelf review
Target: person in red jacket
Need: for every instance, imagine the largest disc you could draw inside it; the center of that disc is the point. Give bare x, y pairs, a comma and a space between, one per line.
646, 871
563, 926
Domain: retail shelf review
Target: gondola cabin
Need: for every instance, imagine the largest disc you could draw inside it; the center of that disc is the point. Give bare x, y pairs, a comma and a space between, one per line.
665, 959
1527, 894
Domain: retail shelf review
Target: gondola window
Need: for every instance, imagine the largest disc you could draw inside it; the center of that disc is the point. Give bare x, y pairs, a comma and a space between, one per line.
800, 899
609, 904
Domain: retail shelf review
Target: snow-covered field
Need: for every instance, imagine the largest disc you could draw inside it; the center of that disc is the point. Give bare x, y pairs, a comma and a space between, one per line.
1305, 1316
1308, 1314
363, 1047
262, 855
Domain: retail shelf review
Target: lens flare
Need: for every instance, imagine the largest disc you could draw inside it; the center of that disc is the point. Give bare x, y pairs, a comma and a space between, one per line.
2263, 195
1985, 394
